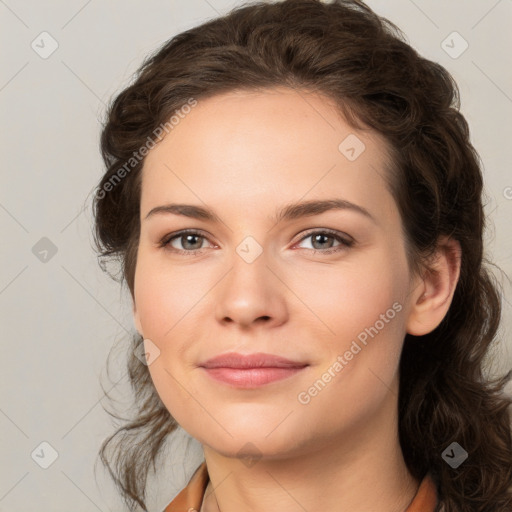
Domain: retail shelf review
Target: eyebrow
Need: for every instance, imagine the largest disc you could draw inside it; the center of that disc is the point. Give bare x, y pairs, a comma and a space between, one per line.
291, 211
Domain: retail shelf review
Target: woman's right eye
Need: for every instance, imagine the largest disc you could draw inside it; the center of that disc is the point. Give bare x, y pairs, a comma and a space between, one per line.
187, 239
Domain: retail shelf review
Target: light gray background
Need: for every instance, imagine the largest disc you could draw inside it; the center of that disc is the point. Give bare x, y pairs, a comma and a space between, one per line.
61, 317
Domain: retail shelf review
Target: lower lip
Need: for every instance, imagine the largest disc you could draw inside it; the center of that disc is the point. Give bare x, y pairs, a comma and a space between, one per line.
251, 377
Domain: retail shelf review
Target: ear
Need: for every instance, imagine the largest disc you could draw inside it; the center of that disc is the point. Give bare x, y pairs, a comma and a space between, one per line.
433, 296
136, 320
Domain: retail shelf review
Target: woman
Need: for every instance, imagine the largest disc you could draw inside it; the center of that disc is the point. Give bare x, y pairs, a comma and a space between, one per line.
347, 377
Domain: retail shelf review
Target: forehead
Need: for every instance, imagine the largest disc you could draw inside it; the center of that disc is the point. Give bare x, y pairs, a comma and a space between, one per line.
276, 145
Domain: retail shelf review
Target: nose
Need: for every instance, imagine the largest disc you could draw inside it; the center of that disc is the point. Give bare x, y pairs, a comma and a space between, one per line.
251, 294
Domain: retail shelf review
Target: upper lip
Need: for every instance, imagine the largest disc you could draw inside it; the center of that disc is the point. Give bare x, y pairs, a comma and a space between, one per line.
258, 360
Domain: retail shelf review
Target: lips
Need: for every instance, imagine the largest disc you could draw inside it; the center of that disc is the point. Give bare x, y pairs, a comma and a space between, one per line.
251, 371
258, 360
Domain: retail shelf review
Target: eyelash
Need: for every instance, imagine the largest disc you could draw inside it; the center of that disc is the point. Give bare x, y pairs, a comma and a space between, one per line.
344, 243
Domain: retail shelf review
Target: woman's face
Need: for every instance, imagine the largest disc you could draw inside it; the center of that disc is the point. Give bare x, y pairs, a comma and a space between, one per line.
330, 289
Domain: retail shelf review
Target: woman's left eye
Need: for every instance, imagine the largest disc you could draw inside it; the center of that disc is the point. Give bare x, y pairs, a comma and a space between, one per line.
319, 238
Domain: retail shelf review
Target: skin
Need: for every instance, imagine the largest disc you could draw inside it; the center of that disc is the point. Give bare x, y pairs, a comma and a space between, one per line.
245, 155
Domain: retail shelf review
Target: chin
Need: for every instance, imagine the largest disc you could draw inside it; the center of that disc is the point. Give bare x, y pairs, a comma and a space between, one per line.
253, 444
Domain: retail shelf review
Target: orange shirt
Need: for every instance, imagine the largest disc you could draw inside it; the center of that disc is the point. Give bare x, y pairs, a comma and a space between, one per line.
191, 497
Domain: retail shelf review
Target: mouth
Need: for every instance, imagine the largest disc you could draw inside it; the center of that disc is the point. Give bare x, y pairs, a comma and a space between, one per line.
251, 371
251, 377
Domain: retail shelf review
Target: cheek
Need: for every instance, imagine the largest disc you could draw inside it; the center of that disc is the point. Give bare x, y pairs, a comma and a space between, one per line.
364, 311
167, 301
354, 298
358, 361
164, 297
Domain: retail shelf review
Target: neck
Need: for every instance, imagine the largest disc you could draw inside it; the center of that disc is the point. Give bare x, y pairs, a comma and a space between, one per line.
356, 471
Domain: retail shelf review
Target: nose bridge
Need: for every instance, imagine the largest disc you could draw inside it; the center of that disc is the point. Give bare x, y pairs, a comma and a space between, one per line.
250, 291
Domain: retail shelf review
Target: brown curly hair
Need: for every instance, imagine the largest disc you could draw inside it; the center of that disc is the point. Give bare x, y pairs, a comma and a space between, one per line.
346, 52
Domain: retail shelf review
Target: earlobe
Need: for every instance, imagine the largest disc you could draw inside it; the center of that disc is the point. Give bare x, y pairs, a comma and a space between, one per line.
432, 301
